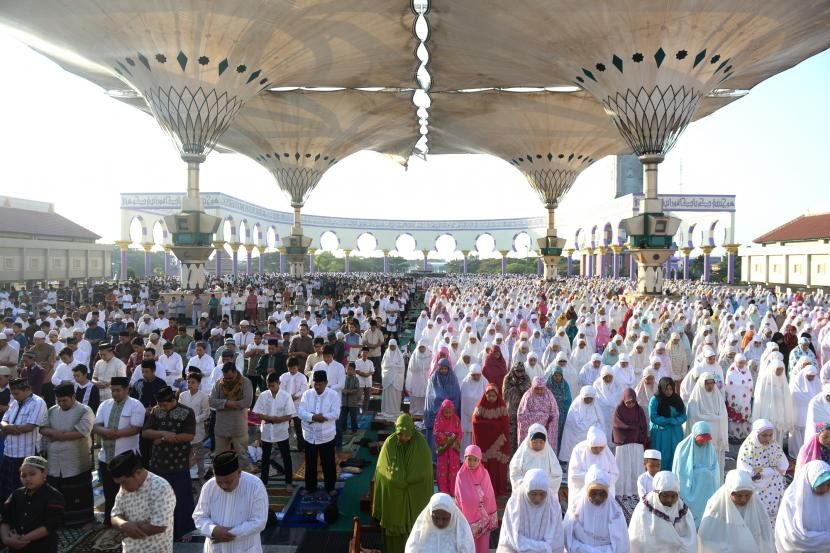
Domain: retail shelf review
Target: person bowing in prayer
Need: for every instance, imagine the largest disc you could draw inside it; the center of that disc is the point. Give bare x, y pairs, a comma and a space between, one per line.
491, 432
735, 520
232, 509
440, 528
696, 465
403, 483
594, 522
170, 426
532, 521
143, 510
68, 432
661, 522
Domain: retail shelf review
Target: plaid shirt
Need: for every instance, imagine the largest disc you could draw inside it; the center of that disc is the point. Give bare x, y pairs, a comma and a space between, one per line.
32, 411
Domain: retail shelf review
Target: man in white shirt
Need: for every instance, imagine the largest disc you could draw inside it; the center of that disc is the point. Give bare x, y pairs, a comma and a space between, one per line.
226, 304
365, 369
319, 410
295, 383
105, 369
232, 509
63, 370
119, 433
335, 371
244, 337
205, 364
82, 349
199, 401
320, 327
169, 366
146, 326
275, 408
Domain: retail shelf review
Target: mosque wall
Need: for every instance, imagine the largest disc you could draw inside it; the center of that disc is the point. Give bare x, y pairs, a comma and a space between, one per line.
795, 264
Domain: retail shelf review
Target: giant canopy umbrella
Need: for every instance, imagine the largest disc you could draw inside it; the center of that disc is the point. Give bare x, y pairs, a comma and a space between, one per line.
298, 135
196, 62
550, 137
650, 62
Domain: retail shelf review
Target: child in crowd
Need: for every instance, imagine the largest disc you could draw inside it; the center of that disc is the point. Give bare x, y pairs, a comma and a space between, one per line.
32, 514
652, 460
351, 396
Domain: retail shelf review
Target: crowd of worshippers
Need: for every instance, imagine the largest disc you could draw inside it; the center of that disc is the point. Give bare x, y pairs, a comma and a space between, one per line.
139, 402
567, 396
572, 397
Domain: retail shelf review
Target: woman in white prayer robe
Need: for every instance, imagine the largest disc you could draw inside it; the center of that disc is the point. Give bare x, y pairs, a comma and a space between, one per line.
772, 399
551, 352
441, 528
593, 451
803, 523
420, 364
594, 522
582, 415
609, 395
536, 453
579, 356
735, 520
533, 367
646, 389
710, 365
803, 387
638, 358
472, 388
707, 404
624, 373
392, 371
818, 410
532, 521
662, 522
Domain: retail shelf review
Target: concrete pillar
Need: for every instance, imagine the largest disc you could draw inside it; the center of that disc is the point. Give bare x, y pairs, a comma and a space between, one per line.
147, 259
167, 251
591, 260
686, 252
603, 261
504, 261
466, 254
311, 260
261, 260
219, 248
426, 261
569, 257
123, 247
632, 267
540, 266
386, 262
615, 260
707, 269
731, 251
346, 265
281, 251
235, 257
249, 259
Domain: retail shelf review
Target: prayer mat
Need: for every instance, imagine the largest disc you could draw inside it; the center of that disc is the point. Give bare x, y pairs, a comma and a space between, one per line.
103, 540
278, 496
306, 511
70, 537
628, 504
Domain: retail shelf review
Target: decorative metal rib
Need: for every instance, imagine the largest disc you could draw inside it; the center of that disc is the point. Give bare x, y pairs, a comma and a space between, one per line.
297, 182
551, 184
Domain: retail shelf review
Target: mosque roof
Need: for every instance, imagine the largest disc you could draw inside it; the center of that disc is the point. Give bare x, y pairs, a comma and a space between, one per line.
804, 227
30, 223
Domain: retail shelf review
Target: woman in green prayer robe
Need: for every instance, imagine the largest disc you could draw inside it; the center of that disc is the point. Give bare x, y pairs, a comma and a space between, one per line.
403, 483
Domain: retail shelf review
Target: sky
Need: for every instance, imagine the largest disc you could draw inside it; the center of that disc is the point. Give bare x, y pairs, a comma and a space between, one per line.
64, 141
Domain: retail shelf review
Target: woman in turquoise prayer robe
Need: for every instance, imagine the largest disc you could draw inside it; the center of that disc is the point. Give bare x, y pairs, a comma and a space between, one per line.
696, 466
667, 413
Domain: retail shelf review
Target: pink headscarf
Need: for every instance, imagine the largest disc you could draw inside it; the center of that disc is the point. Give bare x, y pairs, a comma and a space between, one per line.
812, 449
443, 352
466, 492
450, 424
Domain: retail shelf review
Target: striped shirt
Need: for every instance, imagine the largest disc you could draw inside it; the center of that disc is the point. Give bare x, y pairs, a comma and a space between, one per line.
31, 411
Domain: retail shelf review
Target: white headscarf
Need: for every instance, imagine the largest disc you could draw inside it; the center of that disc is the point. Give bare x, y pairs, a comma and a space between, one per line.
527, 458
709, 407
427, 538
592, 525
530, 528
471, 392
726, 528
581, 416
583, 459
802, 391
772, 398
650, 532
818, 410
803, 522
392, 366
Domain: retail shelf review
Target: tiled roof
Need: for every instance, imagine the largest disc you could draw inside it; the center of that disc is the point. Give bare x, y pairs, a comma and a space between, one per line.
805, 227
24, 221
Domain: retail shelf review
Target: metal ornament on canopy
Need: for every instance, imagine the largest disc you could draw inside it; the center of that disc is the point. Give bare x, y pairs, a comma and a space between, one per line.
550, 137
197, 63
298, 135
